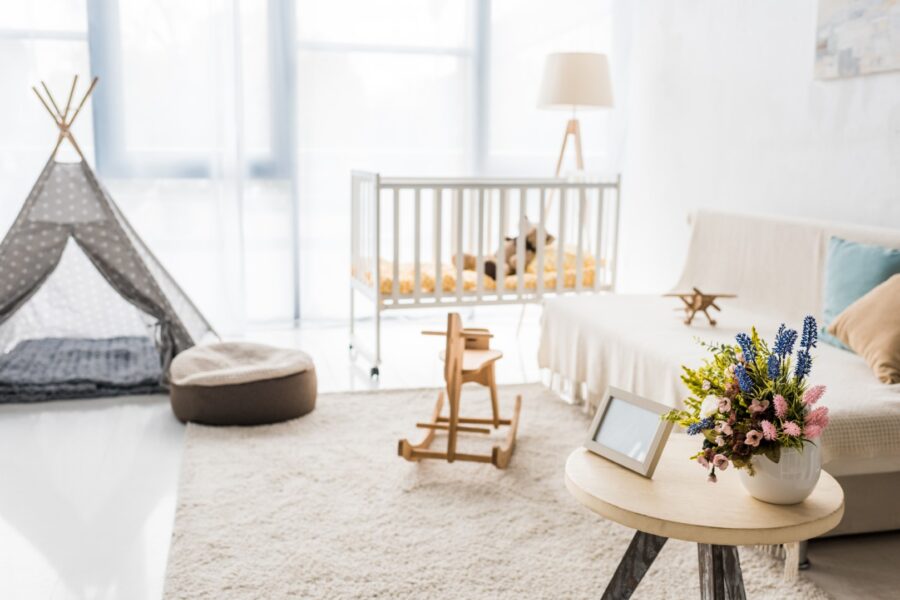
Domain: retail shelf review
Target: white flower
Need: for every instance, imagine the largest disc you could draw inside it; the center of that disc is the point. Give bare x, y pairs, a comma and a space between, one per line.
709, 407
706, 385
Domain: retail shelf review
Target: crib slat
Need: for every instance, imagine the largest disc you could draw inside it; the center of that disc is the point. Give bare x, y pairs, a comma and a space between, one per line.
520, 244
376, 240
542, 236
599, 268
561, 243
614, 234
579, 253
458, 199
354, 229
395, 291
479, 266
500, 272
417, 217
438, 267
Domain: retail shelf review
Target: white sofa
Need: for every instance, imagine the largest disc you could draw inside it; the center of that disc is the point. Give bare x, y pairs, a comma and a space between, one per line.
776, 267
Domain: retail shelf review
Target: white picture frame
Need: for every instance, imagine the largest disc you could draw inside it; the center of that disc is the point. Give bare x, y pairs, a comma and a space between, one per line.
627, 429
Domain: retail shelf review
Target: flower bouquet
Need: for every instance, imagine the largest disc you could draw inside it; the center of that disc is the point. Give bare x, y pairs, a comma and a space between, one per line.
750, 400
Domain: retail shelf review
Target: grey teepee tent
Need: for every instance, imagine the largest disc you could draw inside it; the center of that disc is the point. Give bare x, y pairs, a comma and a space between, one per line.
69, 217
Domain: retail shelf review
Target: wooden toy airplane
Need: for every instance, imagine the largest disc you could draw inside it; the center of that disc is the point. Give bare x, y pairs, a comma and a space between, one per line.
697, 301
467, 357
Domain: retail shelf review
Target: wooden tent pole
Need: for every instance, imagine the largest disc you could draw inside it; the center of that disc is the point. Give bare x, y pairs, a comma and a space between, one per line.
59, 141
52, 101
71, 95
75, 145
83, 100
47, 106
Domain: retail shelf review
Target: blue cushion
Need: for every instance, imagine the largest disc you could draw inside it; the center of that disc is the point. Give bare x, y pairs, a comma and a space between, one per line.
851, 270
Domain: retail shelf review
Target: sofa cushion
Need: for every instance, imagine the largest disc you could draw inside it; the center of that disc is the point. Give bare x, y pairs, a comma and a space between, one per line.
851, 270
871, 328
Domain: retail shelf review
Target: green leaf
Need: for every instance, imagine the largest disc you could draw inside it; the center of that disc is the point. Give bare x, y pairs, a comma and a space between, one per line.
773, 453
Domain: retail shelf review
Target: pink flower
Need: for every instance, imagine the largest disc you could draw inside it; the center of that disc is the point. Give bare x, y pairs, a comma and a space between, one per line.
790, 428
812, 431
703, 462
720, 441
758, 406
818, 417
813, 394
768, 430
723, 428
781, 406
753, 438
711, 478
724, 405
720, 462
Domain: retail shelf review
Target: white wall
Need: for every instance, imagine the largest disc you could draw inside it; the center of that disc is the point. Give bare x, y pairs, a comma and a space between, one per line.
724, 113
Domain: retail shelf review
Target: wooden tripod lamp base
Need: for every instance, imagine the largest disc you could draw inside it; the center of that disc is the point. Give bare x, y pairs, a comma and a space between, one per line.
573, 128
467, 358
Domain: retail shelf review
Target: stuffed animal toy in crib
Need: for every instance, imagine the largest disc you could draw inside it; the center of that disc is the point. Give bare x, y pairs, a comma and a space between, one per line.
470, 262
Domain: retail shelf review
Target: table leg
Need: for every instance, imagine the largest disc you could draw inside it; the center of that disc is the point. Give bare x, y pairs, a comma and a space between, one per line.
720, 573
640, 555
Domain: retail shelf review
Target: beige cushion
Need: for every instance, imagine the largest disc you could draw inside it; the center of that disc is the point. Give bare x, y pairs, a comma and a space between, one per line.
871, 328
230, 363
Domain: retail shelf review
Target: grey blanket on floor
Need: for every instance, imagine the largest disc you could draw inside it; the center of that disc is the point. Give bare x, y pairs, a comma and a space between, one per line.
70, 368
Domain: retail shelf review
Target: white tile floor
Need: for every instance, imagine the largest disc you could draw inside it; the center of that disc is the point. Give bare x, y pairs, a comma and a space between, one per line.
87, 488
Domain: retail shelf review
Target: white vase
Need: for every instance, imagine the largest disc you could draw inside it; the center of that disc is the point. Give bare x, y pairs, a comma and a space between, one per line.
788, 481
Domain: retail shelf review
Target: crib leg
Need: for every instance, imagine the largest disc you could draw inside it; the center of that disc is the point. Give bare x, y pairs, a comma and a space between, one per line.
374, 371
521, 320
352, 316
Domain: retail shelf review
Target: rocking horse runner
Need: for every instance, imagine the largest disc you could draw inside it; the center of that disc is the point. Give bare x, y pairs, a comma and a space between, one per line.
467, 358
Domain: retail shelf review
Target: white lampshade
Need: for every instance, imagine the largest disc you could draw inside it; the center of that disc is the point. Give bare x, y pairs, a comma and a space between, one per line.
576, 79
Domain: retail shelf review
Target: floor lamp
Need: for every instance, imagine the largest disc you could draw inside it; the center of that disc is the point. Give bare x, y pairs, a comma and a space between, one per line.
575, 80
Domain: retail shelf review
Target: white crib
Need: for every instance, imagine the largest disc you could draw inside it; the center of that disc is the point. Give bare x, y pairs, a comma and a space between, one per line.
397, 263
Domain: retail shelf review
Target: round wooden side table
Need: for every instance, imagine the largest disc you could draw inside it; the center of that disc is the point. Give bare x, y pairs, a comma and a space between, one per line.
679, 503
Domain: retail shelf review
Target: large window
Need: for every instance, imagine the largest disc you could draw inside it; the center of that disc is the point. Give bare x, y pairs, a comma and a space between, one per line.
227, 129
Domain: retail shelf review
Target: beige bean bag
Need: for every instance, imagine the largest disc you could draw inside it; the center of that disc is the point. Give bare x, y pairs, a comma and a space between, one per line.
241, 383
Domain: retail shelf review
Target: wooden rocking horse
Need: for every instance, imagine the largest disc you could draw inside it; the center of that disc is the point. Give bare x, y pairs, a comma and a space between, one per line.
468, 357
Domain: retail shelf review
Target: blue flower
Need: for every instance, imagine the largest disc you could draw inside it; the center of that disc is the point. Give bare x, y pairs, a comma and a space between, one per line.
746, 347
744, 381
774, 366
810, 333
804, 364
784, 341
695, 428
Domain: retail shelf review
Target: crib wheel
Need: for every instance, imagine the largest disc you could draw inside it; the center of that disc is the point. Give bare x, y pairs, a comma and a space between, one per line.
373, 372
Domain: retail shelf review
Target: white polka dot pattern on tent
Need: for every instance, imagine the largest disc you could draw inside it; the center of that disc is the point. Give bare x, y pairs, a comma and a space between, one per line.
68, 198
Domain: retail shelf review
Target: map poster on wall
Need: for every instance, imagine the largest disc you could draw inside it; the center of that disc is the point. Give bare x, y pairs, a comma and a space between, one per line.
857, 37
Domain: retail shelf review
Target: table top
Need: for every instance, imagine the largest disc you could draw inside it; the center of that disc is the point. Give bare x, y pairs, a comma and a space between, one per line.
679, 503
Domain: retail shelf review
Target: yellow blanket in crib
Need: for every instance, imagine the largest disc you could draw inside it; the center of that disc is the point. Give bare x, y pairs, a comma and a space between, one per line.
406, 275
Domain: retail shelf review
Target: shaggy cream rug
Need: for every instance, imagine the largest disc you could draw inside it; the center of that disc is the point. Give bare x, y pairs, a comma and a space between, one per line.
322, 507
